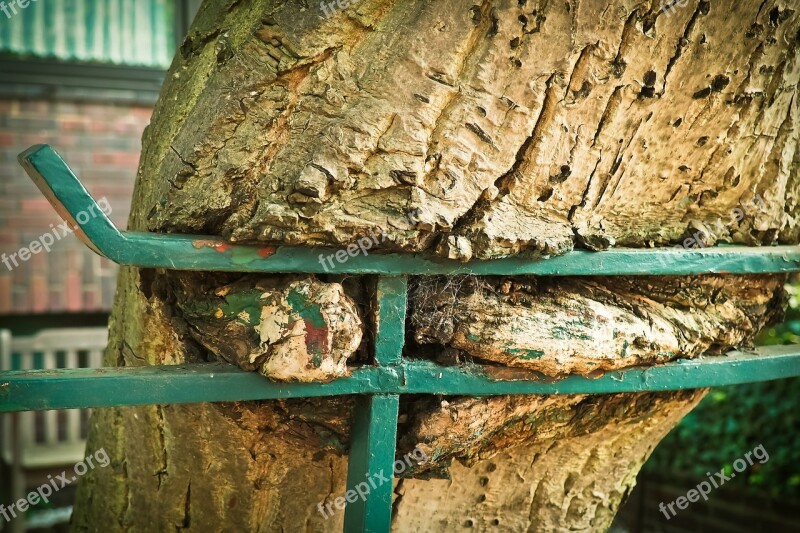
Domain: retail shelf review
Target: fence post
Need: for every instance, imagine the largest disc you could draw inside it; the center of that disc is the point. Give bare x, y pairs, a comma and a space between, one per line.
373, 437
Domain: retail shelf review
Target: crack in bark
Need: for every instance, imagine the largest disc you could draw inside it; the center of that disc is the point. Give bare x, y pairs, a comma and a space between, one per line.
187, 520
159, 410
618, 162
195, 42
582, 203
611, 107
399, 493
619, 64
682, 43
578, 67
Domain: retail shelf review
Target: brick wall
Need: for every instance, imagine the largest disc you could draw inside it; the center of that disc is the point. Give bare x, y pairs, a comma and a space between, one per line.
101, 142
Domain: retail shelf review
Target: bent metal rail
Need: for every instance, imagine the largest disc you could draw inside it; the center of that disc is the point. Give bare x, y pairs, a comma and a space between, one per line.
380, 385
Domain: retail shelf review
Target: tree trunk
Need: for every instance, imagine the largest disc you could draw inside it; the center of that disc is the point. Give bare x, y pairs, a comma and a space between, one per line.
483, 130
554, 482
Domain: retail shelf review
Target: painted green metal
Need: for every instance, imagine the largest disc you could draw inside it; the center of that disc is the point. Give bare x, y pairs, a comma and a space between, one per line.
29, 390
371, 459
392, 299
193, 252
374, 431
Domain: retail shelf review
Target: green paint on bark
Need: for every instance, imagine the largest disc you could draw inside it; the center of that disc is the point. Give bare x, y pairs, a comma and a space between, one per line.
316, 328
523, 353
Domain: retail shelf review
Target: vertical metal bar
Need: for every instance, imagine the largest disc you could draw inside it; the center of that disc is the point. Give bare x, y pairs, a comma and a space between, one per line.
371, 464
392, 295
373, 437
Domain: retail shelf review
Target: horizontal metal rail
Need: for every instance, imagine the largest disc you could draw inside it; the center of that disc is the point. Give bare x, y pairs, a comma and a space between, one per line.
196, 252
374, 427
220, 382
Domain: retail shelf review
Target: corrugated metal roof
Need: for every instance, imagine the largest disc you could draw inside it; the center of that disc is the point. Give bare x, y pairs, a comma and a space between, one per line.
124, 32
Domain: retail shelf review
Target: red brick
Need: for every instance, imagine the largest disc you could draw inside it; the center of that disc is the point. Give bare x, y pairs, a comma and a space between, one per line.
40, 301
66, 141
7, 239
32, 205
72, 290
38, 262
73, 124
120, 159
127, 159
101, 158
100, 126
91, 299
101, 143
129, 127
142, 113
34, 222
5, 292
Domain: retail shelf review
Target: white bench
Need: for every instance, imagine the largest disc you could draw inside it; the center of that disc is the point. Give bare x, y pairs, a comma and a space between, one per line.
44, 439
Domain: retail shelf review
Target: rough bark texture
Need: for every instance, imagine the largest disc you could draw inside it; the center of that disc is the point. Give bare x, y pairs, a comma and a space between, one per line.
509, 125
467, 129
562, 478
580, 326
256, 466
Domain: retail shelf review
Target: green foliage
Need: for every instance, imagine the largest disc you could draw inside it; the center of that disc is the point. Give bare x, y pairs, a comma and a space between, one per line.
731, 421
789, 331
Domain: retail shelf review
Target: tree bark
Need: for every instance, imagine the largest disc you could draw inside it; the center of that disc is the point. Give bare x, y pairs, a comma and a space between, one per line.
481, 129
569, 474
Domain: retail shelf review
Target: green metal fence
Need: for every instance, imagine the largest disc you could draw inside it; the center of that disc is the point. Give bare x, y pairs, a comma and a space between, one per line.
379, 385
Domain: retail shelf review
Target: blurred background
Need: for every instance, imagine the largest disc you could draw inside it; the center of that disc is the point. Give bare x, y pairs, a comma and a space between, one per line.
83, 76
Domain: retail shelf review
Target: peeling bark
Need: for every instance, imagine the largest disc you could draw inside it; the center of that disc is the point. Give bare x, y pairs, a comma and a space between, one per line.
581, 326
287, 330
